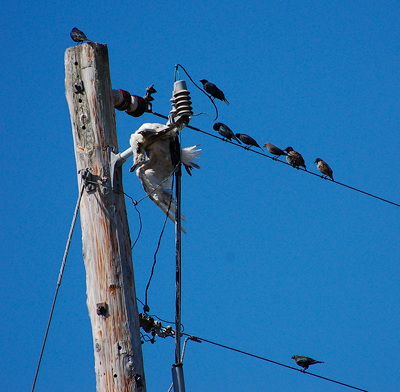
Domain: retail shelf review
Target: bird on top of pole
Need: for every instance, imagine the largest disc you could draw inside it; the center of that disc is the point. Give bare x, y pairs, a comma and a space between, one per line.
213, 90
78, 35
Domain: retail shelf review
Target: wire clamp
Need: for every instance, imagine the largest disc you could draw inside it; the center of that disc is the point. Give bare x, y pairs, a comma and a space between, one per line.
88, 180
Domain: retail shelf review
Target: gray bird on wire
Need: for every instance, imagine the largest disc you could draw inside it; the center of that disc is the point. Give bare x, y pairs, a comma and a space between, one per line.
213, 90
78, 35
324, 168
246, 139
276, 151
225, 132
294, 158
304, 362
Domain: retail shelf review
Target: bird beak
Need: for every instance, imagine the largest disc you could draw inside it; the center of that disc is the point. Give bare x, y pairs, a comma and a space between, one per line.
132, 168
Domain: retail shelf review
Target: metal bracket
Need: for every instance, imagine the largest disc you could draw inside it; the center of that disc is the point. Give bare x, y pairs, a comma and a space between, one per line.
88, 179
116, 161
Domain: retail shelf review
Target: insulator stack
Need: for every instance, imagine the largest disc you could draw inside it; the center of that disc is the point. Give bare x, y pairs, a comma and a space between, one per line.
181, 100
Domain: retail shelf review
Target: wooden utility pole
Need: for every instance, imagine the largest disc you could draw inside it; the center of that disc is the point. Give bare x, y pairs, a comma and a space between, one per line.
110, 284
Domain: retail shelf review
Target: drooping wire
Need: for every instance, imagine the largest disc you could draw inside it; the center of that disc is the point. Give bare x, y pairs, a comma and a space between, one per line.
140, 226
194, 338
146, 307
60, 276
209, 96
274, 362
286, 163
135, 203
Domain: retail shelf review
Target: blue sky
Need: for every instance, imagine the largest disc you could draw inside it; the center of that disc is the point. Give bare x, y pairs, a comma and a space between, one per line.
276, 262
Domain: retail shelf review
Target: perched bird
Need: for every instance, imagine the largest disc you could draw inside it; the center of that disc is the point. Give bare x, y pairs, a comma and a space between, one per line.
304, 362
324, 168
246, 139
154, 156
294, 158
225, 131
213, 90
274, 150
78, 35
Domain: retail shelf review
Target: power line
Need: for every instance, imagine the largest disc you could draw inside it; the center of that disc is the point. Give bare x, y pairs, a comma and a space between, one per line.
274, 362
286, 163
146, 307
135, 203
202, 90
60, 275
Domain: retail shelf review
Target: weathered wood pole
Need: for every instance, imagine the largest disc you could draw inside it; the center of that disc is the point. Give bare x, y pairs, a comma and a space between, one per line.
110, 284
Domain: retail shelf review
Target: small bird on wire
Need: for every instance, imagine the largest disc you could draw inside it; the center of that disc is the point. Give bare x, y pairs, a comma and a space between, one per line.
225, 132
78, 35
274, 150
324, 168
294, 158
246, 139
213, 90
304, 362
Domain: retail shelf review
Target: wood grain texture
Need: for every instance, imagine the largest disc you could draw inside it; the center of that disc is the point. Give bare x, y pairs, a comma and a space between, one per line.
105, 232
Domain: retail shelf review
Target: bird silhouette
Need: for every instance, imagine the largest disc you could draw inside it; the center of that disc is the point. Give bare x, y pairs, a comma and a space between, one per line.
294, 158
324, 168
154, 158
246, 139
213, 90
78, 35
274, 150
225, 132
304, 362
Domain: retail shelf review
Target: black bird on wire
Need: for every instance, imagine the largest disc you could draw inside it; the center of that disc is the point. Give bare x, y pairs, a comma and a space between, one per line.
294, 158
304, 362
213, 90
246, 139
274, 150
78, 35
225, 132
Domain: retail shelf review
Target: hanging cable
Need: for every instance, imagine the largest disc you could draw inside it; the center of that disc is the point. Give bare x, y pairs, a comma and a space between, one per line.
274, 362
191, 337
288, 164
146, 307
209, 96
135, 203
60, 276
140, 226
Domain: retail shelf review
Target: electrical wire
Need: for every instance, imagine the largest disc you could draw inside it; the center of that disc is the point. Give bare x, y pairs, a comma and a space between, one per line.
140, 226
60, 276
288, 164
209, 96
274, 362
183, 354
135, 203
146, 307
